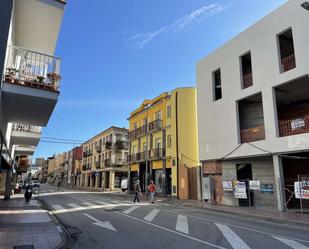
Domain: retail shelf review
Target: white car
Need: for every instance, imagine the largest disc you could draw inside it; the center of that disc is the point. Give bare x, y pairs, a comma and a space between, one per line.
124, 185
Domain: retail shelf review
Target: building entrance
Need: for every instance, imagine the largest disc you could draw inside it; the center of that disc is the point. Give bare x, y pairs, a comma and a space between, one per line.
244, 173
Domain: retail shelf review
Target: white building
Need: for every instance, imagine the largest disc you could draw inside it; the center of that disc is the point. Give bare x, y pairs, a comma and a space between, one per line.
30, 76
253, 109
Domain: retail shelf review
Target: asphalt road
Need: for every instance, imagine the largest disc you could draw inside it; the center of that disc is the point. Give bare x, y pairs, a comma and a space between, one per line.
103, 220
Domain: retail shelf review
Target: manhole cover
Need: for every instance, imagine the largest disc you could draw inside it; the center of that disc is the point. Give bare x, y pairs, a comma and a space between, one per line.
24, 247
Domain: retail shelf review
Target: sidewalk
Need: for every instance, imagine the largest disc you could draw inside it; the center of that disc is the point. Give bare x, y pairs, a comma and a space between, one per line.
24, 223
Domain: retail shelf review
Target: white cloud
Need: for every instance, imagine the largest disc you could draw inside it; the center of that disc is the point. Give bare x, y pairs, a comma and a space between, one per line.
196, 16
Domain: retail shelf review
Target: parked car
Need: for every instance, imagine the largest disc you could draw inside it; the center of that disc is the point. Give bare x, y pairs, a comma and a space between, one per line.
35, 184
124, 185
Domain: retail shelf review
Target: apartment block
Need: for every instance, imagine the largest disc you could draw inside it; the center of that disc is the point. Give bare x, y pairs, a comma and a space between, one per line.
104, 159
253, 112
163, 144
30, 77
76, 169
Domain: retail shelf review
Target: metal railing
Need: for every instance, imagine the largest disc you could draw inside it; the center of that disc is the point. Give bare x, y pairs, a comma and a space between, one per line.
32, 69
252, 134
247, 80
26, 128
157, 153
155, 125
288, 63
132, 134
293, 127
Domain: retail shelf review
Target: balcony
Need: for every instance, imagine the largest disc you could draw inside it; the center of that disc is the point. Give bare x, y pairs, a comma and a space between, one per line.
143, 156
23, 150
155, 125
121, 145
25, 134
288, 63
107, 162
132, 134
294, 127
252, 134
30, 86
141, 131
134, 158
98, 164
120, 162
98, 148
108, 145
157, 153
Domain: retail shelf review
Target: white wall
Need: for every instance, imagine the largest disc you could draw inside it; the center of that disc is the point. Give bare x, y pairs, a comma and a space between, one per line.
218, 131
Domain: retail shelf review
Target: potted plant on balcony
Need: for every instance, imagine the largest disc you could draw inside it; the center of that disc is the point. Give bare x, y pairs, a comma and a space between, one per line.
10, 75
53, 78
108, 144
119, 144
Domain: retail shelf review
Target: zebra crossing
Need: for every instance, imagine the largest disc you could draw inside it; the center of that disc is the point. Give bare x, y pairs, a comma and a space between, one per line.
234, 240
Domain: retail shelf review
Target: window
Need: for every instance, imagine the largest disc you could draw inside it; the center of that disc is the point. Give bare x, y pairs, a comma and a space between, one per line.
135, 126
169, 111
246, 69
286, 50
169, 141
145, 146
159, 116
145, 121
217, 85
158, 143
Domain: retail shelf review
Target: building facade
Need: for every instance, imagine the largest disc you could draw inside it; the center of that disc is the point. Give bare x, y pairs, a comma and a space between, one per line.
253, 112
163, 144
77, 166
104, 160
30, 77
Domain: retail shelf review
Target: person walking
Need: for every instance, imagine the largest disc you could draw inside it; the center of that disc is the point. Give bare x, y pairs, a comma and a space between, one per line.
152, 191
137, 190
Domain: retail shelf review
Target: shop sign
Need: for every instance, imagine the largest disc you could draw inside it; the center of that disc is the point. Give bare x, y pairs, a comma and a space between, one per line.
301, 191
267, 188
227, 185
297, 123
240, 190
255, 185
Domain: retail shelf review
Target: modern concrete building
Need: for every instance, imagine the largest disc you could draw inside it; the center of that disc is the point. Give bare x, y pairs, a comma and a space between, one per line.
253, 111
30, 76
163, 144
104, 159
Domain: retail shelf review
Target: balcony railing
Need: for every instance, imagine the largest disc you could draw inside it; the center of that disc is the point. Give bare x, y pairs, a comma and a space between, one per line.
32, 69
155, 125
141, 130
157, 153
132, 134
97, 164
288, 63
26, 128
121, 145
119, 162
98, 148
252, 134
134, 158
247, 80
294, 127
107, 162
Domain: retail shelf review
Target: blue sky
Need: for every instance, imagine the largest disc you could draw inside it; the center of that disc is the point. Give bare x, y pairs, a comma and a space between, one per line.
116, 53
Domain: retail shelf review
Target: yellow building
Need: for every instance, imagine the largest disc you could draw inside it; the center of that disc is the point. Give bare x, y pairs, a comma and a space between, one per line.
104, 160
163, 144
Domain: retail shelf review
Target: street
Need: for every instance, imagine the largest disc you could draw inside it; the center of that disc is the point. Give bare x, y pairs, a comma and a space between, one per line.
105, 220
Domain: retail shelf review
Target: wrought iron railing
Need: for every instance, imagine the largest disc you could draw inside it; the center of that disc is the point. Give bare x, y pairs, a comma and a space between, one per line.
288, 63
155, 125
157, 153
247, 80
32, 69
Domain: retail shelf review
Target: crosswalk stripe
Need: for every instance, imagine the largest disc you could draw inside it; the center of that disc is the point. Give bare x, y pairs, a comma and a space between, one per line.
235, 241
151, 215
131, 209
73, 205
88, 204
291, 243
182, 224
57, 207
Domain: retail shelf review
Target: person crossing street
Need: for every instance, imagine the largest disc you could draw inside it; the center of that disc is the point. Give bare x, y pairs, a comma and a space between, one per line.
152, 191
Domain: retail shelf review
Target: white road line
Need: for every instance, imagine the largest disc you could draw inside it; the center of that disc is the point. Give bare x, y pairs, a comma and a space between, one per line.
73, 205
182, 224
131, 209
151, 215
88, 204
232, 238
291, 243
58, 207
172, 231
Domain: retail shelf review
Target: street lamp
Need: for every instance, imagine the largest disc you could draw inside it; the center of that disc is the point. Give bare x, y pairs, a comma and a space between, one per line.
305, 5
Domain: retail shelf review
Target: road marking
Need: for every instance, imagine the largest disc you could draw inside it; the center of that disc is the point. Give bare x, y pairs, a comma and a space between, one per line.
104, 224
182, 224
291, 243
171, 231
235, 241
26, 211
88, 204
73, 205
58, 207
151, 215
131, 209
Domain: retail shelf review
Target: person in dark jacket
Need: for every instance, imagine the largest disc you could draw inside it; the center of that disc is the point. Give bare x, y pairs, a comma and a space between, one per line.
137, 191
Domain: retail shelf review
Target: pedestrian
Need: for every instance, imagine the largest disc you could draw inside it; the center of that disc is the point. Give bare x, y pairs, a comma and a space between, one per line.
137, 191
58, 186
152, 191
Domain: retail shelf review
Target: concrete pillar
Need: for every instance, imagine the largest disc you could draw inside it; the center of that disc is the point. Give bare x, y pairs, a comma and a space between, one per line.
112, 180
103, 180
279, 179
96, 182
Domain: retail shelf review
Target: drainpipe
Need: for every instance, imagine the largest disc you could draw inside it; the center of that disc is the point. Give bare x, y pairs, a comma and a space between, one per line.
177, 149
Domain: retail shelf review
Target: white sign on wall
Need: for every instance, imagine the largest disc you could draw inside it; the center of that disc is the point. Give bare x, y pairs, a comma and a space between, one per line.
240, 190
300, 191
227, 185
255, 185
